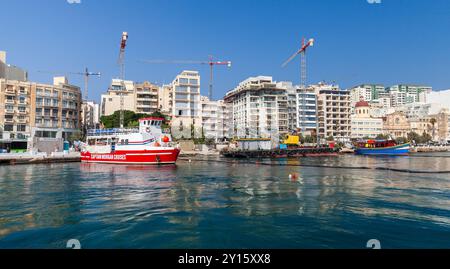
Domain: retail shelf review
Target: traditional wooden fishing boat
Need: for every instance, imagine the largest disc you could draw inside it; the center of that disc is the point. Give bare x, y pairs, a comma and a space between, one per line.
382, 147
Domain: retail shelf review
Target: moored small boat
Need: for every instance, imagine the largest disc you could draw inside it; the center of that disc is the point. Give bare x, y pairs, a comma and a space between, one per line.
382, 147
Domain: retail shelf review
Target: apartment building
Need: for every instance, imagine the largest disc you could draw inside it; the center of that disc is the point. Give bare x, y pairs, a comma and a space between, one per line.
402, 94
90, 114
259, 108
370, 92
35, 110
146, 97
185, 104
334, 112
362, 124
165, 99
137, 97
57, 109
215, 119
110, 102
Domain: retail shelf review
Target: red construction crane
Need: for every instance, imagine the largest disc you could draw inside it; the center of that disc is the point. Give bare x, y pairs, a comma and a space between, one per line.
121, 62
211, 62
302, 52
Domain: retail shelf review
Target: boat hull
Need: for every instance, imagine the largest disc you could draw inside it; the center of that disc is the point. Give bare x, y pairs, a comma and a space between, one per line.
144, 157
396, 150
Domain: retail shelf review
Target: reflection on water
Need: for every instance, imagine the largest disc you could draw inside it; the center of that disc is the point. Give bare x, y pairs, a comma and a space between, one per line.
228, 204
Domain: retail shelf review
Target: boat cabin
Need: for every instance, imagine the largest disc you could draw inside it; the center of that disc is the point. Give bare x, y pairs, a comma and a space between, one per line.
376, 144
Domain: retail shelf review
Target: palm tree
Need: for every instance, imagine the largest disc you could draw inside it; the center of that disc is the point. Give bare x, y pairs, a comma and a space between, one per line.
433, 123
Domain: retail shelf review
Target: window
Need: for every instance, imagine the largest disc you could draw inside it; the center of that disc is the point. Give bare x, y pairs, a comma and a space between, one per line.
22, 99
22, 109
9, 127
21, 128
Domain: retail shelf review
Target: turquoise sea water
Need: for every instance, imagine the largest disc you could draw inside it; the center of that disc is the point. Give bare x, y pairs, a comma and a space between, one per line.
221, 203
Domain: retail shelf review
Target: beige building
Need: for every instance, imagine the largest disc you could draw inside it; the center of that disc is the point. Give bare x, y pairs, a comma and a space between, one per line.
110, 102
362, 124
146, 97
396, 125
435, 125
34, 110
165, 99
333, 112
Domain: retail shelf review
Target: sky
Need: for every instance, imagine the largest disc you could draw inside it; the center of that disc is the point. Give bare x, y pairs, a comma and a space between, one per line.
356, 42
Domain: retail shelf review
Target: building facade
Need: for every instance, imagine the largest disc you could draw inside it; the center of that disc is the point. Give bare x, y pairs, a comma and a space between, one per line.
146, 97
110, 102
215, 119
259, 109
334, 112
362, 124
185, 105
402, 94
90, 114
396, 125
35, 110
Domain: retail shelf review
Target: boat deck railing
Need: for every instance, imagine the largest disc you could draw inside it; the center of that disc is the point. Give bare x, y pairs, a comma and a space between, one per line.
114, 131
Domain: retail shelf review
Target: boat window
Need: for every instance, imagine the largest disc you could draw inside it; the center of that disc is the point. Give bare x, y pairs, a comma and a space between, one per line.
126, 141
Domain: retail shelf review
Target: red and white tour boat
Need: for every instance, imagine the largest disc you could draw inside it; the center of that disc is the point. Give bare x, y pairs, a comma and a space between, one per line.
146, 145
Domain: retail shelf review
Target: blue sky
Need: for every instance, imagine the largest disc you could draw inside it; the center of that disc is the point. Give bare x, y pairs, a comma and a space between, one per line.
396, 41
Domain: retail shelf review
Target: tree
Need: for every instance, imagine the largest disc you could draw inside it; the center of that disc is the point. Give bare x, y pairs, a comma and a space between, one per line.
415, 137
309, 139
382, 137
433, 126
330, 138
426, 138
401, 140
131, 119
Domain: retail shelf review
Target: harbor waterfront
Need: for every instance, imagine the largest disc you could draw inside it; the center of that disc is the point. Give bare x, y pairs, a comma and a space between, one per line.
213, 202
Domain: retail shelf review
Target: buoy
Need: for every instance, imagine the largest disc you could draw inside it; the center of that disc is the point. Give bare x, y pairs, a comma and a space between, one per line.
165, 139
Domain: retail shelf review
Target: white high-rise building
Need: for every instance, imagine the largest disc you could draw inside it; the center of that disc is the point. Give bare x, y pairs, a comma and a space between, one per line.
302, 108
259, 108
406, 94
215, 119
185, 105
90, 114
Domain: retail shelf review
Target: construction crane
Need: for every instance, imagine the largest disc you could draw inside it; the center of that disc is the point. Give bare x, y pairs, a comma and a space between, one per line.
302, 52
303, 81
86, 74
121, 62
211, 62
